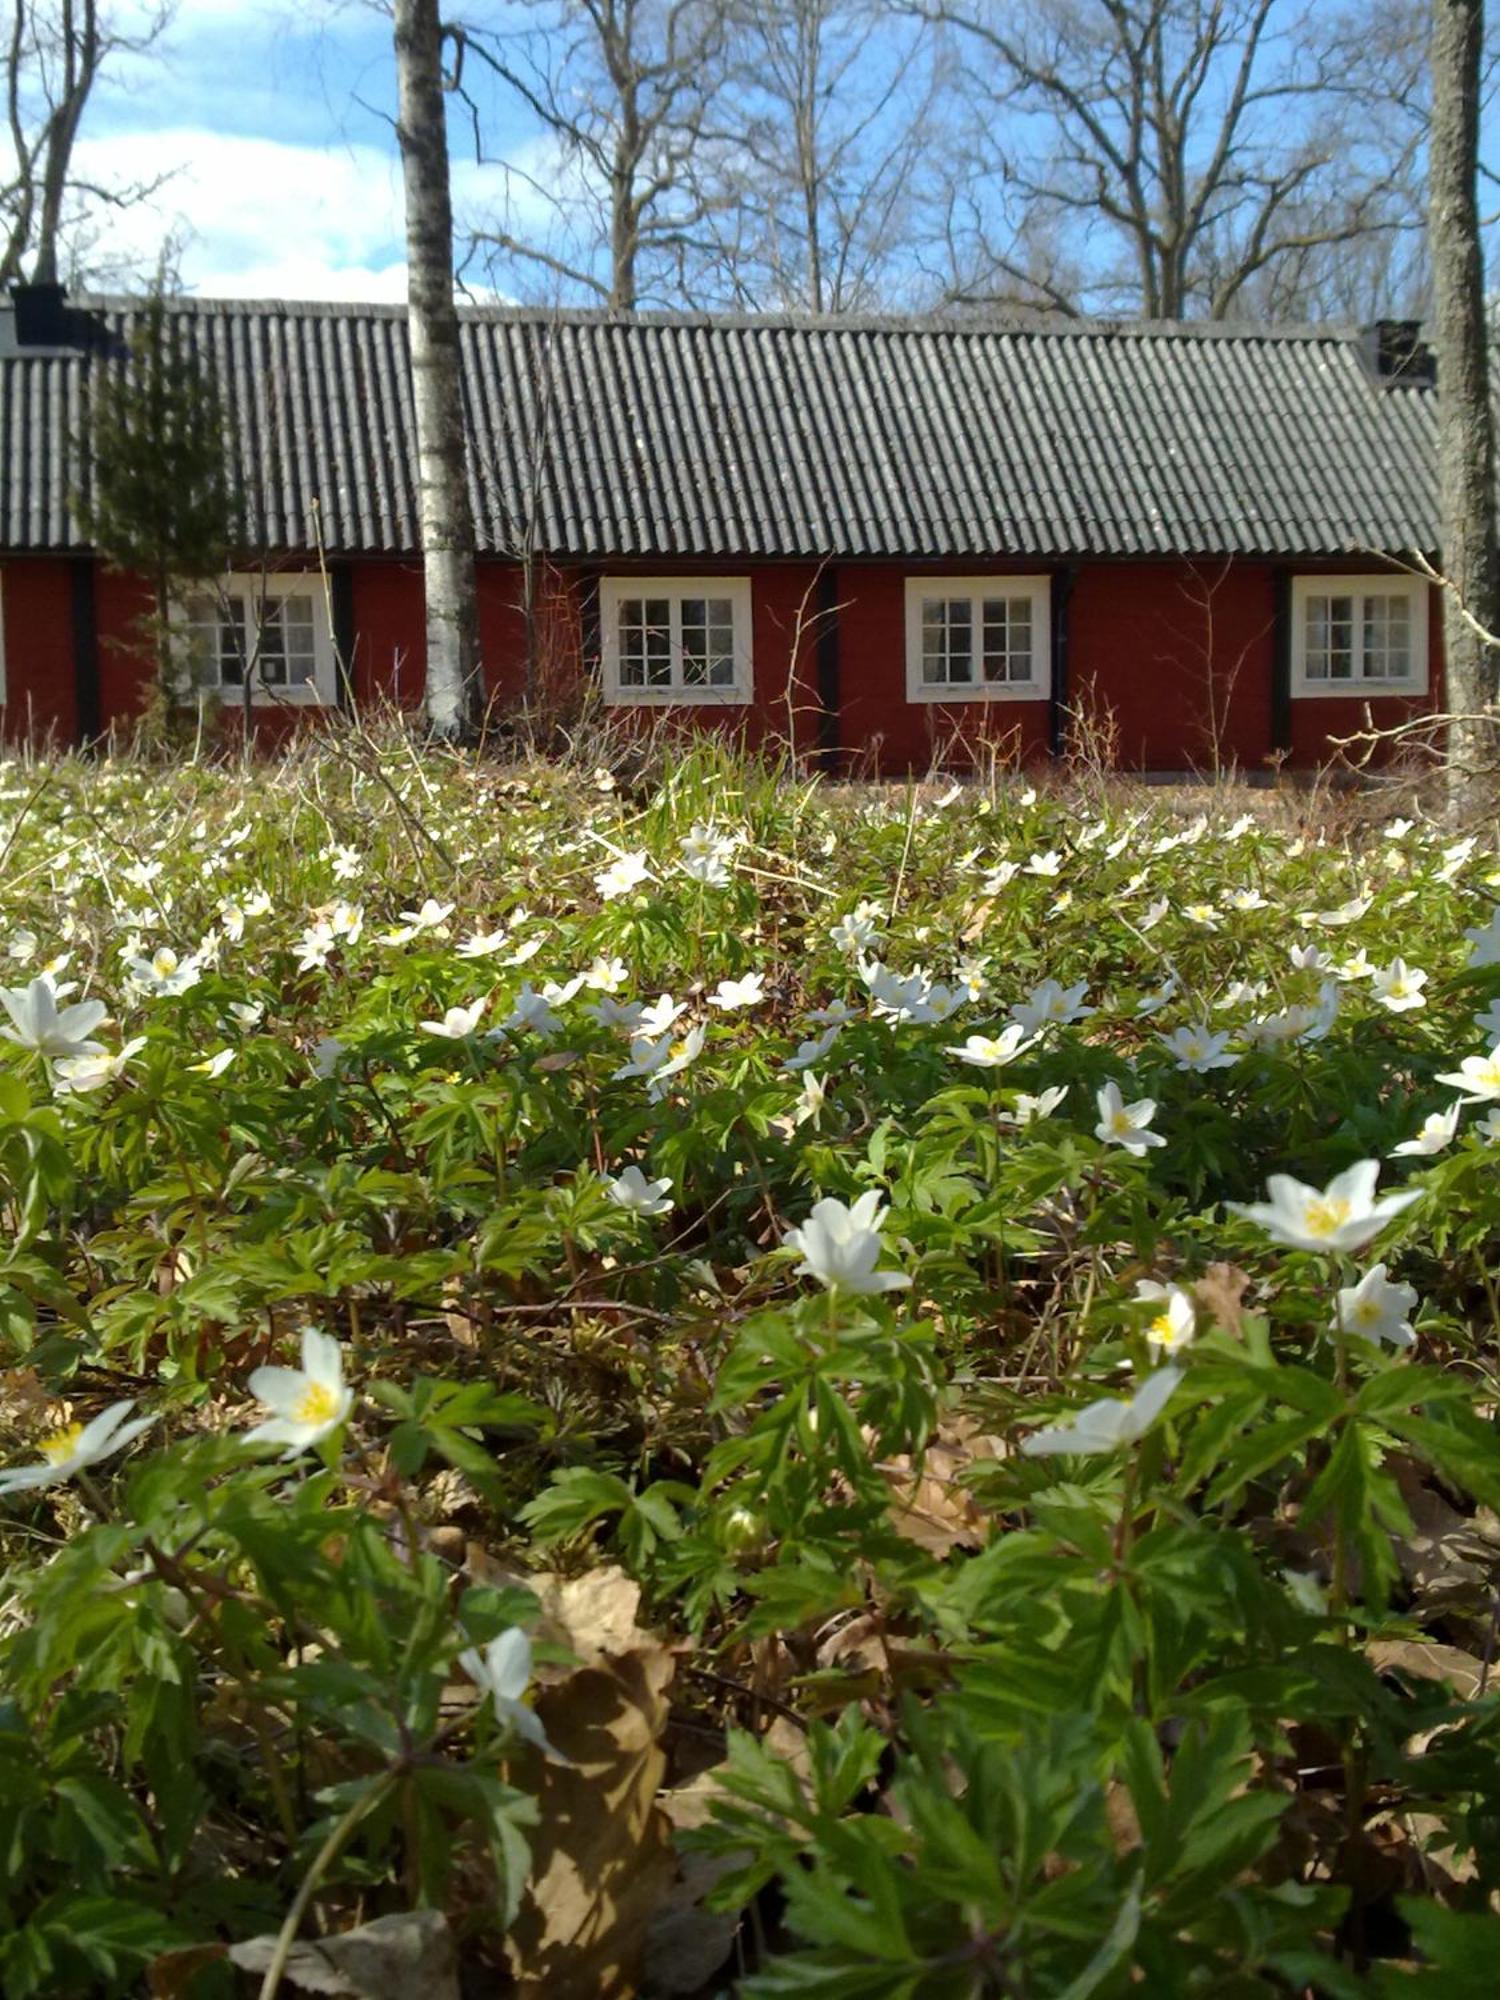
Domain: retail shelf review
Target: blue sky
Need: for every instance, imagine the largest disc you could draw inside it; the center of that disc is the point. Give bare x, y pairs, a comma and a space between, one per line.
272, 122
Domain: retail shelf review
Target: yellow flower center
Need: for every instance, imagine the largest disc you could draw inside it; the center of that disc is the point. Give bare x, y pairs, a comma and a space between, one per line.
1120, 1123
61, 1445
679, 1050
1322, 1218
1367, 1312
318, 1404
1162, 1331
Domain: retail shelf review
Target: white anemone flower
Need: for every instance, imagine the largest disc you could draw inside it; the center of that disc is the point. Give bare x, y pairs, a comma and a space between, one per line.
732, 994
811, 1052
164, 974
458, 1023
1484, 941
647, 1054
657, 1016
75, 1448
308, 1403
1030, 1109
1175, 1320
1199, 1049
74, 1076
214, 1065
1437, 1132
1051, 1005
480, 944
638, 1196
1127, 1125
1478, 1077
994, 1051
1398, 986
501, 1672
37, 1023
624, 873
680, 1055
1343, 1216
840, 1247
1377, 1310
1108, 1425
247, 1014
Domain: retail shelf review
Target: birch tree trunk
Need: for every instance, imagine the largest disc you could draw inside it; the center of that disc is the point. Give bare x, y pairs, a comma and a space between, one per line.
436, 369
1466, 437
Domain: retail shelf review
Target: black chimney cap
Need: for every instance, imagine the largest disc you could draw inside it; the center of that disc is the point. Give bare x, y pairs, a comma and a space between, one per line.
43, 318
1397, 354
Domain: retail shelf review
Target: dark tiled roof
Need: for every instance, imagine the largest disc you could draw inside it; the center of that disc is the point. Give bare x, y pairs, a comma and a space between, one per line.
685, 436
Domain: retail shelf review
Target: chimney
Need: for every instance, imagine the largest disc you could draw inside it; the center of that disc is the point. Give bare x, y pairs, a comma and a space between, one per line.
1397, 355
43, 318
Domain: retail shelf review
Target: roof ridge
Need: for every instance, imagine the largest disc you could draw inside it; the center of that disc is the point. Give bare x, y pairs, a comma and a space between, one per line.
962, 326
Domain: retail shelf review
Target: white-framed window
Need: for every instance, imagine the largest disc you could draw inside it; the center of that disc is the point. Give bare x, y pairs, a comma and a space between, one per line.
978, 638
1359, 635
670, 639
271, 631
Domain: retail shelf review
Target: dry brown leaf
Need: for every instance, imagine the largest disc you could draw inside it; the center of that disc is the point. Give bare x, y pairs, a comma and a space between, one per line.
1221, 1293
1449, 1558
686, 1944
601, 1854
929, 1505
856, 1644
1429, 1661
408, 1956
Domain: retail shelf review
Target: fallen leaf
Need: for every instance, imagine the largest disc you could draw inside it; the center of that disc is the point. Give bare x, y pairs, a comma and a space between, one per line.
408, 1956
1221, 1293
601, 1854
685, 1943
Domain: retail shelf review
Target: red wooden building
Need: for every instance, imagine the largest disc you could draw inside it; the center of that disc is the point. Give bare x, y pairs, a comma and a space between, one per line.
887, 540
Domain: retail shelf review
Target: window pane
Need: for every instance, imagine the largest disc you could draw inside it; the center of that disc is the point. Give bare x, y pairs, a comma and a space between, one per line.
299, 639
1328, 652
1387, 636
270, 651
233, 641
947, 641
645, 642
1007, 639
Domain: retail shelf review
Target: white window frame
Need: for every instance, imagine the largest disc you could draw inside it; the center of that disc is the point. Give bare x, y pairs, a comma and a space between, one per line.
613, 589
1359, 685
253, 591
1037, 590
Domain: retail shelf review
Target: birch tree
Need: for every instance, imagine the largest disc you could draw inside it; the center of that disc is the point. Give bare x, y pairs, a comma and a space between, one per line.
437, 374
1466, 442
55, 52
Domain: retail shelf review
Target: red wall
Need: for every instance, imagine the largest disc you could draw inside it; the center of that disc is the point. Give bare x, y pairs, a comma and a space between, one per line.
1143, 638
38, 628
1142, 641
879, 728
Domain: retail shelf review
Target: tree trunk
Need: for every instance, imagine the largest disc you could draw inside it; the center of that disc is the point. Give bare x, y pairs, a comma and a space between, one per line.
1466, 440
436, 370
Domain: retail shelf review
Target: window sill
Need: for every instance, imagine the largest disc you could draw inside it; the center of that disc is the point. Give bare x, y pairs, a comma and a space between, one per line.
268, 698
718, 697
985, 691
1363, 690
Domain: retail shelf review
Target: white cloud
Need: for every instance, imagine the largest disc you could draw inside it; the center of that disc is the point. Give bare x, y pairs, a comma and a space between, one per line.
257, 217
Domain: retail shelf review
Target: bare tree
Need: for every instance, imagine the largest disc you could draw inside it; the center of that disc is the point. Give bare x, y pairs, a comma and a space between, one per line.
1466, 438
621, 88
814, 166
1176, 153
437, 372
55, 51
